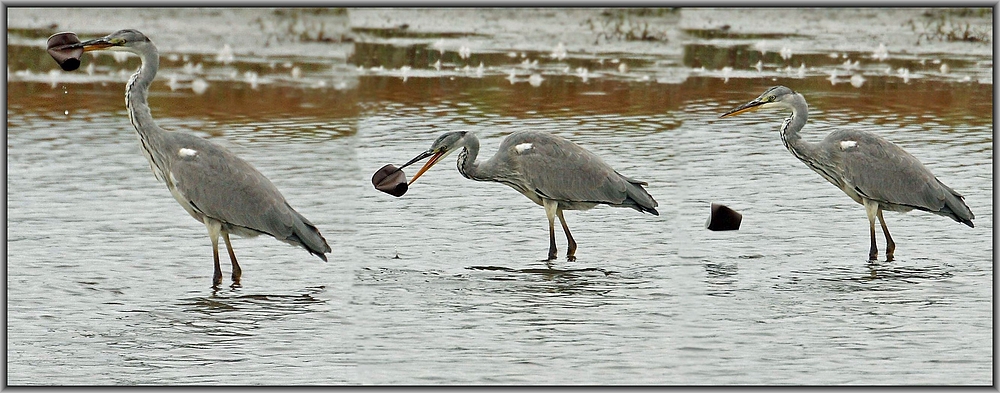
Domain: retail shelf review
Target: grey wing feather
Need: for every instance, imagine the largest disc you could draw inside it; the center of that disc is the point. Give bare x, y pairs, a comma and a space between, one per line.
561, 170
882, 171
225, 187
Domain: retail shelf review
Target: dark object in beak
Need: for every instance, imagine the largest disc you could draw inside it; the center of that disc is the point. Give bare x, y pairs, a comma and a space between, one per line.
64, 49
723, 218
390, 180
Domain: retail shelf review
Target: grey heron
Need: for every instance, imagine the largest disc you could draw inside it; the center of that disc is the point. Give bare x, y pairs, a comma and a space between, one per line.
550, 170
212, 184
870, 169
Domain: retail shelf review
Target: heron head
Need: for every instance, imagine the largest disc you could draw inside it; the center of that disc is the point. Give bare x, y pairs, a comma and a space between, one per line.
442, 147
126, 40
776, 96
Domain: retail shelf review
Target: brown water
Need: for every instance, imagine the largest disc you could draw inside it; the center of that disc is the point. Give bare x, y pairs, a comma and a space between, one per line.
108, 279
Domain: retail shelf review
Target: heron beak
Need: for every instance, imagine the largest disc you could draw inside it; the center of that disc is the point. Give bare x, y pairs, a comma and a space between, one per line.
748, 107
435, 157
92, 45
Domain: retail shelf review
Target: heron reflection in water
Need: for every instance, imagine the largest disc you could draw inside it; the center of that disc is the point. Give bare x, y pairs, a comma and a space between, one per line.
871, 170
212, 184
550, 170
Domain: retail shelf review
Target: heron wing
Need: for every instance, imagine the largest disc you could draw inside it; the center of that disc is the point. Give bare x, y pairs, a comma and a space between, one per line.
882, 171
561, 170
223, 186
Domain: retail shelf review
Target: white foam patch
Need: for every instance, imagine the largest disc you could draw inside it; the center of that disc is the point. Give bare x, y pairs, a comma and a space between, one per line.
522, 147
844, 145
185, 152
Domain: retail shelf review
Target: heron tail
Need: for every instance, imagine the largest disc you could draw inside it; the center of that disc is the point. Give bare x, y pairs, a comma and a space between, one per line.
306, 234
637, 197
955, 207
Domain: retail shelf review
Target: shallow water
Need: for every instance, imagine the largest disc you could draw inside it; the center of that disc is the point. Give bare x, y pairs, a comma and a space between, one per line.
108, 279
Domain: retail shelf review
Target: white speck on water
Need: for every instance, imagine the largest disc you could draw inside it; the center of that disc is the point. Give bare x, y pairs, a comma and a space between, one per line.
513, 76
582, 73
404, 72
90, 69
833, 77
904, 73
479, 70
251, 78
535, 80
802, 70
296, 72
857, 80
759, 66
437, 65
172, 82
66, 112
559, 53
786, 53
225, 55
725, 74
464, 52
623, 68
881, 53
199, 86
944, 68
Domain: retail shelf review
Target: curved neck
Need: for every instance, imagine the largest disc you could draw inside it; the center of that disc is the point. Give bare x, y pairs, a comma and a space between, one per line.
809, 153
138, 111
467, 164
790, 128
137, 89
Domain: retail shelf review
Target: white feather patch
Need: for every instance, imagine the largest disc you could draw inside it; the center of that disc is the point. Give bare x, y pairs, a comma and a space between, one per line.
522, 147
185, 152
844, 145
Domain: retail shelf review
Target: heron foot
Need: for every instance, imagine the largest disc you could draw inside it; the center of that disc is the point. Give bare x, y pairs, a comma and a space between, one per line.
571, 258
217, 279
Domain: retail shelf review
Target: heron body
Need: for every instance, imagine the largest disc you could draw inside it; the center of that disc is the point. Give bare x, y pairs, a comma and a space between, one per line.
550, 170
212, 184
873, 171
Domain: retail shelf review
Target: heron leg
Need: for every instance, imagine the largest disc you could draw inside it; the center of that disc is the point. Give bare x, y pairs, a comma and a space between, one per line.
551, 207
890, 246
214, 228
872, 209
237, 272
571, 247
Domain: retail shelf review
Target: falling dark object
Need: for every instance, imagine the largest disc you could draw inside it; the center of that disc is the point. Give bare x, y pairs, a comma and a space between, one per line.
390, 180
61, 47
723, 218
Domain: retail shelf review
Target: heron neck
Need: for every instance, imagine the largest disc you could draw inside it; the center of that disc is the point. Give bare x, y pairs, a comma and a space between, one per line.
809, 153
138, 112
790, 131
467, 164
136, 92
